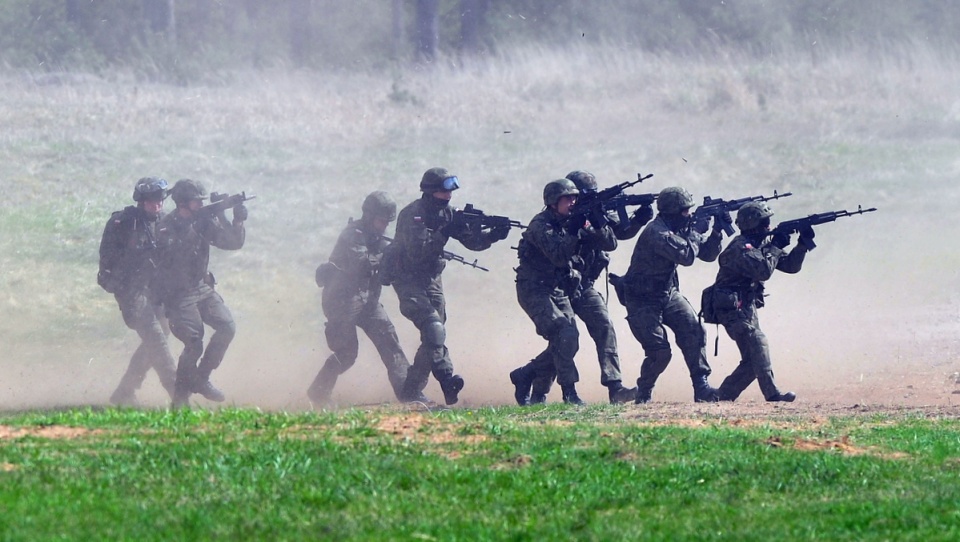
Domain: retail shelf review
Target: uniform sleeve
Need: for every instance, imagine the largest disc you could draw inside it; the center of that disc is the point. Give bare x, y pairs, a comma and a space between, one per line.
474, 240
556, 244
625, 229
711, 246
679, 249
792, 262
757, 264
226, 237
603, 238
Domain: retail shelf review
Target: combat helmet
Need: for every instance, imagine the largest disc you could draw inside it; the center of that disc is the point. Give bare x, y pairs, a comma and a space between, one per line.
557, 189
150, 188
751, 215
584, 180
673, 200
380, 205
187, 190
436, 179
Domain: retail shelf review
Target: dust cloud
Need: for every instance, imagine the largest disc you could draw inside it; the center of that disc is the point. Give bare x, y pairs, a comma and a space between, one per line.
871, 319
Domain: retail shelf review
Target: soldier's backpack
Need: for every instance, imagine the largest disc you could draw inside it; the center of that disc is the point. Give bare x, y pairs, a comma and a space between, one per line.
115, 234
708, 311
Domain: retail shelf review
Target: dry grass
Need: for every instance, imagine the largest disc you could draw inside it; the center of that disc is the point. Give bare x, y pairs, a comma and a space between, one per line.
837, 130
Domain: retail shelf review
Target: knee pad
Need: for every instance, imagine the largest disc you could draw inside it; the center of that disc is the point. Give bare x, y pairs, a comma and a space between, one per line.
433, 334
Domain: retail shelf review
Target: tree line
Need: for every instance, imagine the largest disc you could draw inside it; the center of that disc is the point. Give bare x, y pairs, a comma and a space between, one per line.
169, 39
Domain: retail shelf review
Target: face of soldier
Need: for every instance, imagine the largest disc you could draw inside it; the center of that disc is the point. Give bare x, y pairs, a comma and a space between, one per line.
379, 225
564, 204
152, 207
443, 194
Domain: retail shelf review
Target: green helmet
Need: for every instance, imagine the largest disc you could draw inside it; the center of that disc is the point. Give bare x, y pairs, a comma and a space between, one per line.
437, 179
150, 188
187, 190
752, 214
557, 189
379, 204
673, 200
584, 180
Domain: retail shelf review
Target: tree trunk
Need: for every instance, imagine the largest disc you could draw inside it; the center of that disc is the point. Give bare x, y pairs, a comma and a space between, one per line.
300, 37
473, 29
428, 22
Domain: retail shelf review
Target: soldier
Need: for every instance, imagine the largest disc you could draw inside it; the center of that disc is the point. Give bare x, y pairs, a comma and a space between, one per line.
546, 282
128, 261
351, 299
748, 261
651, 291
187, 286
587, 303
423, 229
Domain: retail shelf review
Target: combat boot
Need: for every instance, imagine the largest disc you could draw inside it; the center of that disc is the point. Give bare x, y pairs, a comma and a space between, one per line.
321, 389
619, 394
570, 395
209, 392
451, 388
538, 398
420, 399
181, 398
788, 397
702, 392
522, 380
644, 393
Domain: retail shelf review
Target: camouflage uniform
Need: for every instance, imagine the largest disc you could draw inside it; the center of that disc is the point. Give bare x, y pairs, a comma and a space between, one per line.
423, 229
188, 294
351, 299
128, 252
651, 292
589, 305
745, 264
546, 281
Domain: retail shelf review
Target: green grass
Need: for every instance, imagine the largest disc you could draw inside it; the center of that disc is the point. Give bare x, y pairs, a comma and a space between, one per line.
488, 474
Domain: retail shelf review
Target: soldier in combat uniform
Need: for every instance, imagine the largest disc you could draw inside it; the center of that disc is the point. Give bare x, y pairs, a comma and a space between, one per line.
748, 261
587, 303
546, 282
187, 286
652, 296
128, 261
351, 299
423, 229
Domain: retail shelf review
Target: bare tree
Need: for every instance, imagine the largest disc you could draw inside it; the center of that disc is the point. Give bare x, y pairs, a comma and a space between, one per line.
473, 14
161, 16
428, 34
300, 31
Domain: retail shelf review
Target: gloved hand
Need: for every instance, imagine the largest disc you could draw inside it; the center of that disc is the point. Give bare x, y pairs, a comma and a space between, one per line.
240, 213
780, 239
700, 225
806, 232
642, 215
721, 221
499, 233
598, 220
574, 224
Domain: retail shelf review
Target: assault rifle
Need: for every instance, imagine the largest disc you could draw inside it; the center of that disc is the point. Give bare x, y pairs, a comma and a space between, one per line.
795, 225
471, 218
712, 207
450, 256
596, 204
221, 202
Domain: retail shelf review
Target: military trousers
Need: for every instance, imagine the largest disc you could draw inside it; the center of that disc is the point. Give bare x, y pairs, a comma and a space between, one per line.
188, 313
422, 302
649, 318
145, 317
343, 319
744, 328
552, 314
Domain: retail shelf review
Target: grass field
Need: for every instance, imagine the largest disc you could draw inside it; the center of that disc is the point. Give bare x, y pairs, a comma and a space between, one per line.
866, 334
508, 473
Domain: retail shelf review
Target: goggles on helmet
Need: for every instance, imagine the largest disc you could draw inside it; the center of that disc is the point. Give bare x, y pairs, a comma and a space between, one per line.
151, 186
451, 183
